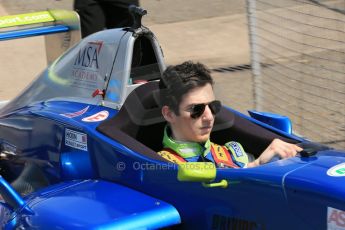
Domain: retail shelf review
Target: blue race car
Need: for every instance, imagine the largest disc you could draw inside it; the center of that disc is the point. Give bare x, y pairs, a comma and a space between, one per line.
78, 151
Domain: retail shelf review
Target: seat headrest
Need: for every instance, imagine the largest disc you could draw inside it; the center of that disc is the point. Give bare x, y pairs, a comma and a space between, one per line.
139, 125
142, 105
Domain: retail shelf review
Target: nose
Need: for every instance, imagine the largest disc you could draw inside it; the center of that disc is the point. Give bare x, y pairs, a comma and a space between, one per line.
207, 115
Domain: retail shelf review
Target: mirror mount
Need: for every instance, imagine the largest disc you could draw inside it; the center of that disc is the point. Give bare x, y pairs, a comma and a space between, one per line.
137, 14
223, 184
204, 172
278, 121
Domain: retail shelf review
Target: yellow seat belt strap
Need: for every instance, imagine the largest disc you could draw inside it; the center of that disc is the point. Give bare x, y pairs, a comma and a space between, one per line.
171, 156
222, 156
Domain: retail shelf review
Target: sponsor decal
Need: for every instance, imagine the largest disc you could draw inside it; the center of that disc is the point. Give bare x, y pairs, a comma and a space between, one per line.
225, 222
76, 139
337, 170
88, 55
100, 116
86, 65
82, 75
236, 147
335, 219
25, 19
75, 114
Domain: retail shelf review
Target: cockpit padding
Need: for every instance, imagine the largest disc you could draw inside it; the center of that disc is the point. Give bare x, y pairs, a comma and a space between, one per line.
139, 125
233, 127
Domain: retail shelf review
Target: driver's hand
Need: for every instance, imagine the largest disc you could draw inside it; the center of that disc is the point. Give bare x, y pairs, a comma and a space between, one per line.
278, 148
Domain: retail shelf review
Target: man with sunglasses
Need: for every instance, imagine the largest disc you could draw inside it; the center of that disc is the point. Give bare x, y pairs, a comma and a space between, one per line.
189, 106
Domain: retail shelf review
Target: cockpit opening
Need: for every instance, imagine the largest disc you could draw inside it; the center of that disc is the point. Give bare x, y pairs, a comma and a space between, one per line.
144, 62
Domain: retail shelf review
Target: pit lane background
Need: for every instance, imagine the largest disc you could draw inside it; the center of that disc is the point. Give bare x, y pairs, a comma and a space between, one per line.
213, 32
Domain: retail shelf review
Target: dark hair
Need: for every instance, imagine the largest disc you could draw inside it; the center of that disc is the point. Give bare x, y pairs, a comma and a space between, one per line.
179, 79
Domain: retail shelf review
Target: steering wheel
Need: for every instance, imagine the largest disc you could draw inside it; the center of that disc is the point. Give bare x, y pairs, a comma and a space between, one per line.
311, 148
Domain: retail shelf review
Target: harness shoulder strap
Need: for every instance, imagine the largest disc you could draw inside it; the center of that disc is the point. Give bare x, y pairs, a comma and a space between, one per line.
222, 156
237, 153
171, 156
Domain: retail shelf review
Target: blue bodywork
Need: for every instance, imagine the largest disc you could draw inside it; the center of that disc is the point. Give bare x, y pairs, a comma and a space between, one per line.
60, 170
98, 205
33, 32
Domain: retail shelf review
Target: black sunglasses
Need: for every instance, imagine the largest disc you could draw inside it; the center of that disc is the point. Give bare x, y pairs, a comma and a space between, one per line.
197, 110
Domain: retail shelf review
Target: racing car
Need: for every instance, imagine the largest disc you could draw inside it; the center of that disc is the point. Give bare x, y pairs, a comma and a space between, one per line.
78, 150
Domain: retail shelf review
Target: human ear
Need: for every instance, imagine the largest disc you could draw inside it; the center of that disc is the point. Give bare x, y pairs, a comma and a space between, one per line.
168, 114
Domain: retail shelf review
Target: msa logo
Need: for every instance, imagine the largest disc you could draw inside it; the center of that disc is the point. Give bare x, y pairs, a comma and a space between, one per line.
88, 56
76, 139
335, 219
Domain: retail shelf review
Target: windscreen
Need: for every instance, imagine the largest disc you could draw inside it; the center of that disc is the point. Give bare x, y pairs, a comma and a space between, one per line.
74, 76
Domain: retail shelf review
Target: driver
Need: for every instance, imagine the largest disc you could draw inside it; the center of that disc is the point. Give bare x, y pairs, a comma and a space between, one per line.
189, 107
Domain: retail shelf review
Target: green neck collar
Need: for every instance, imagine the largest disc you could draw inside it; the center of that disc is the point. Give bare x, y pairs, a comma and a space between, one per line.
185, 149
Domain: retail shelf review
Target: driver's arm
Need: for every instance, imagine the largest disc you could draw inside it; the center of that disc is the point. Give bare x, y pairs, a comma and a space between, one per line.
276, 148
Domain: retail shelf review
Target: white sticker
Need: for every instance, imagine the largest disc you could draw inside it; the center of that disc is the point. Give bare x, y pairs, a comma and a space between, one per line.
75, 114
76, 139
335, 219
337, 170
100, 116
